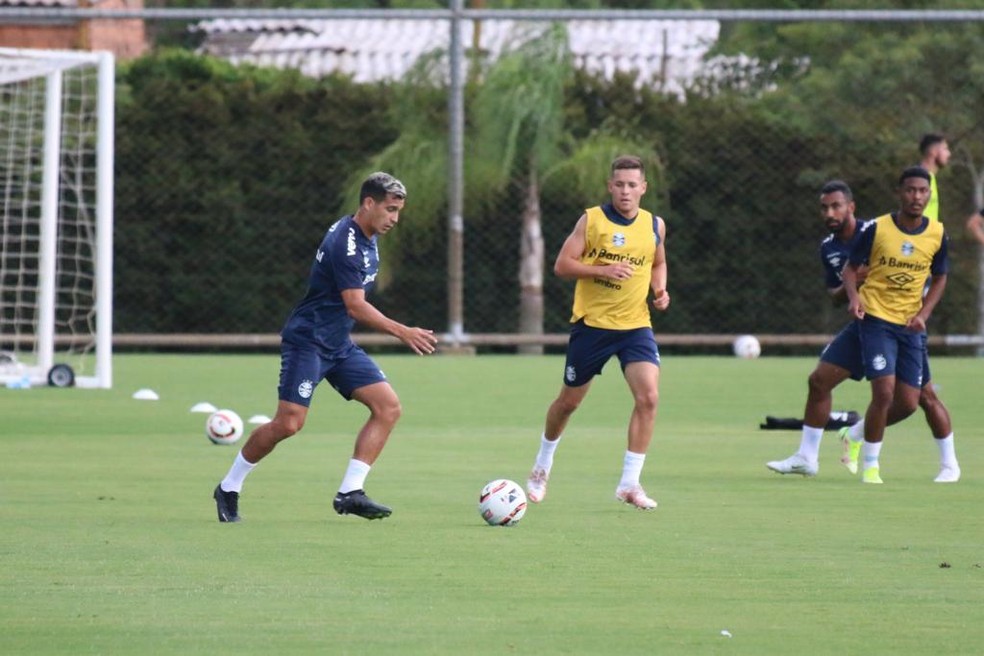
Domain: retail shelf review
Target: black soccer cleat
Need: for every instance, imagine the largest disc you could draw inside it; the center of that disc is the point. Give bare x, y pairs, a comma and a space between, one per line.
357, 503
227, 504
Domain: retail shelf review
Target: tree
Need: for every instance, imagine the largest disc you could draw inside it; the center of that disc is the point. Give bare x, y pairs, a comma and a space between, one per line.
865, 93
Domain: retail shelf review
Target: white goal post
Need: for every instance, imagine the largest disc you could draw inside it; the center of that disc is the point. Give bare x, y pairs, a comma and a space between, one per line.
56, 217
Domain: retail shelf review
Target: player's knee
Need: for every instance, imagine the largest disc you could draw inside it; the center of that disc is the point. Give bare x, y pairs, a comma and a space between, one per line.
647, 400
389, 411
909, 407
819, 383
566, 406
288, 426
928, 398
907, 403
885, 398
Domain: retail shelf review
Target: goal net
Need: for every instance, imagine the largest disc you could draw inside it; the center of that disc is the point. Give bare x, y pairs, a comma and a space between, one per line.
56, 228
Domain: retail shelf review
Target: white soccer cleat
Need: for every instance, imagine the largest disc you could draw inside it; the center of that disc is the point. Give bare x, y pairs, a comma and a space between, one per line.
948, 474
634, 495
794, 464
536, 485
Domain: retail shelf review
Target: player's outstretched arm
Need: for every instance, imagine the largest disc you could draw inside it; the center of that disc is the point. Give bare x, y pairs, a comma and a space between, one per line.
420, 340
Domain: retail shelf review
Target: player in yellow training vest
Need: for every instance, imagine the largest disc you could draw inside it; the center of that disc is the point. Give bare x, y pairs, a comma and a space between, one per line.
616, 304
616, 254
901, 250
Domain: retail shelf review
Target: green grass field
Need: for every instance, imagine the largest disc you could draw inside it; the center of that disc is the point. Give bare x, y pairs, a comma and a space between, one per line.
110, 543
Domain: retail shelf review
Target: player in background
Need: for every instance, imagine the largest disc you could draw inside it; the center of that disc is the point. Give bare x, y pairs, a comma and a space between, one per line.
901, 250
841, 358
975, 225
616, 253
316, 345
935, 153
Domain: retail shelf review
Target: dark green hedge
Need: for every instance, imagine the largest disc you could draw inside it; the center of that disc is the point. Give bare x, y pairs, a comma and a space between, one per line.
227, 177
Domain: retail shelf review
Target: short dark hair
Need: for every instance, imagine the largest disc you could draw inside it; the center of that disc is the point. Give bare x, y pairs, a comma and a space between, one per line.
929, 140
834, 186
915, 172
379, 185
628, 162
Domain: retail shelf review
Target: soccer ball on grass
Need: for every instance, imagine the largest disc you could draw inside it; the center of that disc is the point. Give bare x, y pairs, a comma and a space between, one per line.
502, 503
223, 427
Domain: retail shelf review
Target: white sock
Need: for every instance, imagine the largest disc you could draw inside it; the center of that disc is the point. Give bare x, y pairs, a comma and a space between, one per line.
544, 457
810, 443
948, 454
233, 482
856, 432
355, 476
870, 452
632, 469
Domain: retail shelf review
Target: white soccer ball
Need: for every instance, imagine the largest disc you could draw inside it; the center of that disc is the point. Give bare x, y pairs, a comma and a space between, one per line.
747, 347
223, 427
502, 503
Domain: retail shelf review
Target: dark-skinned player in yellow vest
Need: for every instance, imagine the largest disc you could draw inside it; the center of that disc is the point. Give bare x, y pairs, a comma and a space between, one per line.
616, 253
901, 250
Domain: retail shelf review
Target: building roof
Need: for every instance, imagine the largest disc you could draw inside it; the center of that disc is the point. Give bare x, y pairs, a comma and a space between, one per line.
668, 52
68, 4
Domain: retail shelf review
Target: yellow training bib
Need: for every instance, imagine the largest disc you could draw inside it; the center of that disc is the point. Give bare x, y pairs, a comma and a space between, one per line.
898, 267
616, 304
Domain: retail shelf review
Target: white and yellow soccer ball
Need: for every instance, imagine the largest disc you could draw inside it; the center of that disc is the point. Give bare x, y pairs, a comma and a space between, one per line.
223, 427
502, 502
747, 347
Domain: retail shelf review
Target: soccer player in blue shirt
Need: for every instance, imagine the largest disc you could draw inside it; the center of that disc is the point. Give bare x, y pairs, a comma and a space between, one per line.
316, 345
842, 359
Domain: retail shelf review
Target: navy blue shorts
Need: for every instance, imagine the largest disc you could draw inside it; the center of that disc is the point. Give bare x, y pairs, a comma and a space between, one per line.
302, 368
590, 348
892, 350
844, 351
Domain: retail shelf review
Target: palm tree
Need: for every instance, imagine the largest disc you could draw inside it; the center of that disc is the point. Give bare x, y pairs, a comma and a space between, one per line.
518, 134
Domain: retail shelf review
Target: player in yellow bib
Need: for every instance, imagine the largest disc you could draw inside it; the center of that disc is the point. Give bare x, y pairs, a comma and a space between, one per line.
616, 254
618, 304
901, 251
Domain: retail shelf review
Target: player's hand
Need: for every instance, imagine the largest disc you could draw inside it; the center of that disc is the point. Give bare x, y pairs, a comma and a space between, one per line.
420, 340
855, 309
661, 299
916, 324
619, 271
